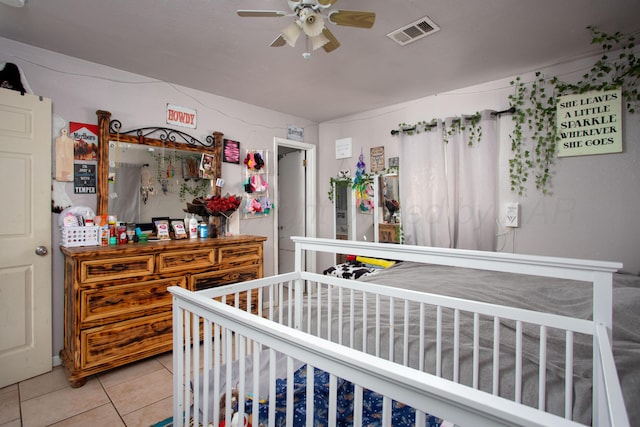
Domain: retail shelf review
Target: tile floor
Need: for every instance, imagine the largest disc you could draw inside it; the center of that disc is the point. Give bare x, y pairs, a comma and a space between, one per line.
139, 394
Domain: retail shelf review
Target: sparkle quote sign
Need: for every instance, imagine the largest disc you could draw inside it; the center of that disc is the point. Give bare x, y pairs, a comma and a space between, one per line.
589, 123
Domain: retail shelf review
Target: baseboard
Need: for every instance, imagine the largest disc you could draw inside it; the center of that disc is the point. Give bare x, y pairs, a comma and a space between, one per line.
57, 361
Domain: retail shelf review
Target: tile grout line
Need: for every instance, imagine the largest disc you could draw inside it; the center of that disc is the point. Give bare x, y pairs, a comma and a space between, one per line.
113, 405
19, 402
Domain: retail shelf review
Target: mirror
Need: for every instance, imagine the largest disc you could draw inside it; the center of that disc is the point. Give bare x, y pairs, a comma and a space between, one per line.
174, 144
344, 218
389, 230
145, 181
343, 210
390, 191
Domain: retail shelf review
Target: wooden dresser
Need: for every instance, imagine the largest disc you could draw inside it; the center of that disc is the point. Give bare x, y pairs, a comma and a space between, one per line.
116, 305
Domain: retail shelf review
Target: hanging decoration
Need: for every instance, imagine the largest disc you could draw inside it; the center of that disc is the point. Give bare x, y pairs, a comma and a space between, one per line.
363, 186
256, 185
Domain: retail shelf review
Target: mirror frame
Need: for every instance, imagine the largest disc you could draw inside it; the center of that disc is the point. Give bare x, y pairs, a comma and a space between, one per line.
109, 130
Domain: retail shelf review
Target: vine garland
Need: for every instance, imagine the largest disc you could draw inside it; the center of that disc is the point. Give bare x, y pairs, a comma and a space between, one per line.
332, 186
457, 126
196, 187
535, 107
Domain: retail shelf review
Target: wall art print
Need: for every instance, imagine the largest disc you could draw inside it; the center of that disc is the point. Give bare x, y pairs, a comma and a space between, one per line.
230, 151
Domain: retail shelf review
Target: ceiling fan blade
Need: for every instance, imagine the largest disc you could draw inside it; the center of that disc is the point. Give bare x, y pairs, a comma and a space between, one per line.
353, 18
333, 43
261, 13
280, 41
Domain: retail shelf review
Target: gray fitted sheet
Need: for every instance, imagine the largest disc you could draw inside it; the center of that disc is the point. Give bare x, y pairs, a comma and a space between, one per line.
558, 296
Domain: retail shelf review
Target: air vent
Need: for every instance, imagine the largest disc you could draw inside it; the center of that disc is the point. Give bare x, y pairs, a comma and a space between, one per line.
414, 31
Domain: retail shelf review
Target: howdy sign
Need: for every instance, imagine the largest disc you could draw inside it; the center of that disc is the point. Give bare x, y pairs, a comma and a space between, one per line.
589, 123
181, 116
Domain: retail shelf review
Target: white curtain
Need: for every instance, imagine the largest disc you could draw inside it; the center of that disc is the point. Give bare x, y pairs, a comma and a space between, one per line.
448, 189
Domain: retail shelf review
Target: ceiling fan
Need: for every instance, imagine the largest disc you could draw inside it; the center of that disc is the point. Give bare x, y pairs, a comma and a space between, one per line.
309, 20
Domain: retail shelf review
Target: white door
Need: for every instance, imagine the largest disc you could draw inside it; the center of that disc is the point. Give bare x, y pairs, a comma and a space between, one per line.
291, 212
25, 236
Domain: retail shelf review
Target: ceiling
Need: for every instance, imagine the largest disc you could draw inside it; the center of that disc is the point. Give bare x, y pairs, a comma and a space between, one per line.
203, 44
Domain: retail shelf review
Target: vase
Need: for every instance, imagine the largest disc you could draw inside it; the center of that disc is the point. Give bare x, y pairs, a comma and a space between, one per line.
223, 228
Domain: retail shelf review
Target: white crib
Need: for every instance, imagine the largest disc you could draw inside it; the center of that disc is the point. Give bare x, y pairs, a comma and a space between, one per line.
334, 325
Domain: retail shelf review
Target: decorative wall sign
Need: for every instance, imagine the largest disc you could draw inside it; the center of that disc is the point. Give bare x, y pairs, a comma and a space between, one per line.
84, 178
86, 140
295, 133
377, 159
589, 123
231, 151
343, 148
182, 116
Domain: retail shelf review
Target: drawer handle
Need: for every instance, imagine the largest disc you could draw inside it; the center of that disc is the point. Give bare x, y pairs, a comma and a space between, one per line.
190, 259
119, 267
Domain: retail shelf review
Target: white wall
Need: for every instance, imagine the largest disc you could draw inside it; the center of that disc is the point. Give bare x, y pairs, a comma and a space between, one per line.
79, 88
592, 209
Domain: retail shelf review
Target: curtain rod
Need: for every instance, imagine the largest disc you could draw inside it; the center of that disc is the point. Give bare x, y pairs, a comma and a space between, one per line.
429, 126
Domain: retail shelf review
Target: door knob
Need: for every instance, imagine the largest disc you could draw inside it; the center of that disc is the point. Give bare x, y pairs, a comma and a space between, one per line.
41, 250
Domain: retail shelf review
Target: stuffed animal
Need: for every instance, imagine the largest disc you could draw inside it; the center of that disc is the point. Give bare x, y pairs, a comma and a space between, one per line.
235, 422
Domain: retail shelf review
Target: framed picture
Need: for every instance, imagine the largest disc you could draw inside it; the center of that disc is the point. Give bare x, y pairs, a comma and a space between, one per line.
377, 159
230, 151
190, 167
206, 166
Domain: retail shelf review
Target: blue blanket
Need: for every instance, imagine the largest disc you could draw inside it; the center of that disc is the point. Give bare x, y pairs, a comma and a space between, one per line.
402, 415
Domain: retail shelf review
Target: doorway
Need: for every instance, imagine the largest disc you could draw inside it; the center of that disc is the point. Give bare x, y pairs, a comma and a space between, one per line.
295, 200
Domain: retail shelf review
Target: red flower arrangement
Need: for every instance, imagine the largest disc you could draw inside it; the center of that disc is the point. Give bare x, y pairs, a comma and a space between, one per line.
223, 205
214, 206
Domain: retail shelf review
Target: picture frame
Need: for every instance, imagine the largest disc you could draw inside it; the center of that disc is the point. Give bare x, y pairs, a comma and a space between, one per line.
190, 167
377, 159
231, 151
206, 166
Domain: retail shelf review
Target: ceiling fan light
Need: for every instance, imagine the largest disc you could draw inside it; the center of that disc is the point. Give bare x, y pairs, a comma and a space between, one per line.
291, 33
318, 41
312, 24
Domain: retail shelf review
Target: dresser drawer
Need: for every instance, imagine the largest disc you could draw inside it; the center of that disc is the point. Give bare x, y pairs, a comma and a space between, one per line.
234, 255
120, 302
103, 270
212, 279
186, 260
118, 343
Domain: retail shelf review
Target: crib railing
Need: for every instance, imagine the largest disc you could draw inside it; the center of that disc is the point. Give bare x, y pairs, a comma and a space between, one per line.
296, 319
